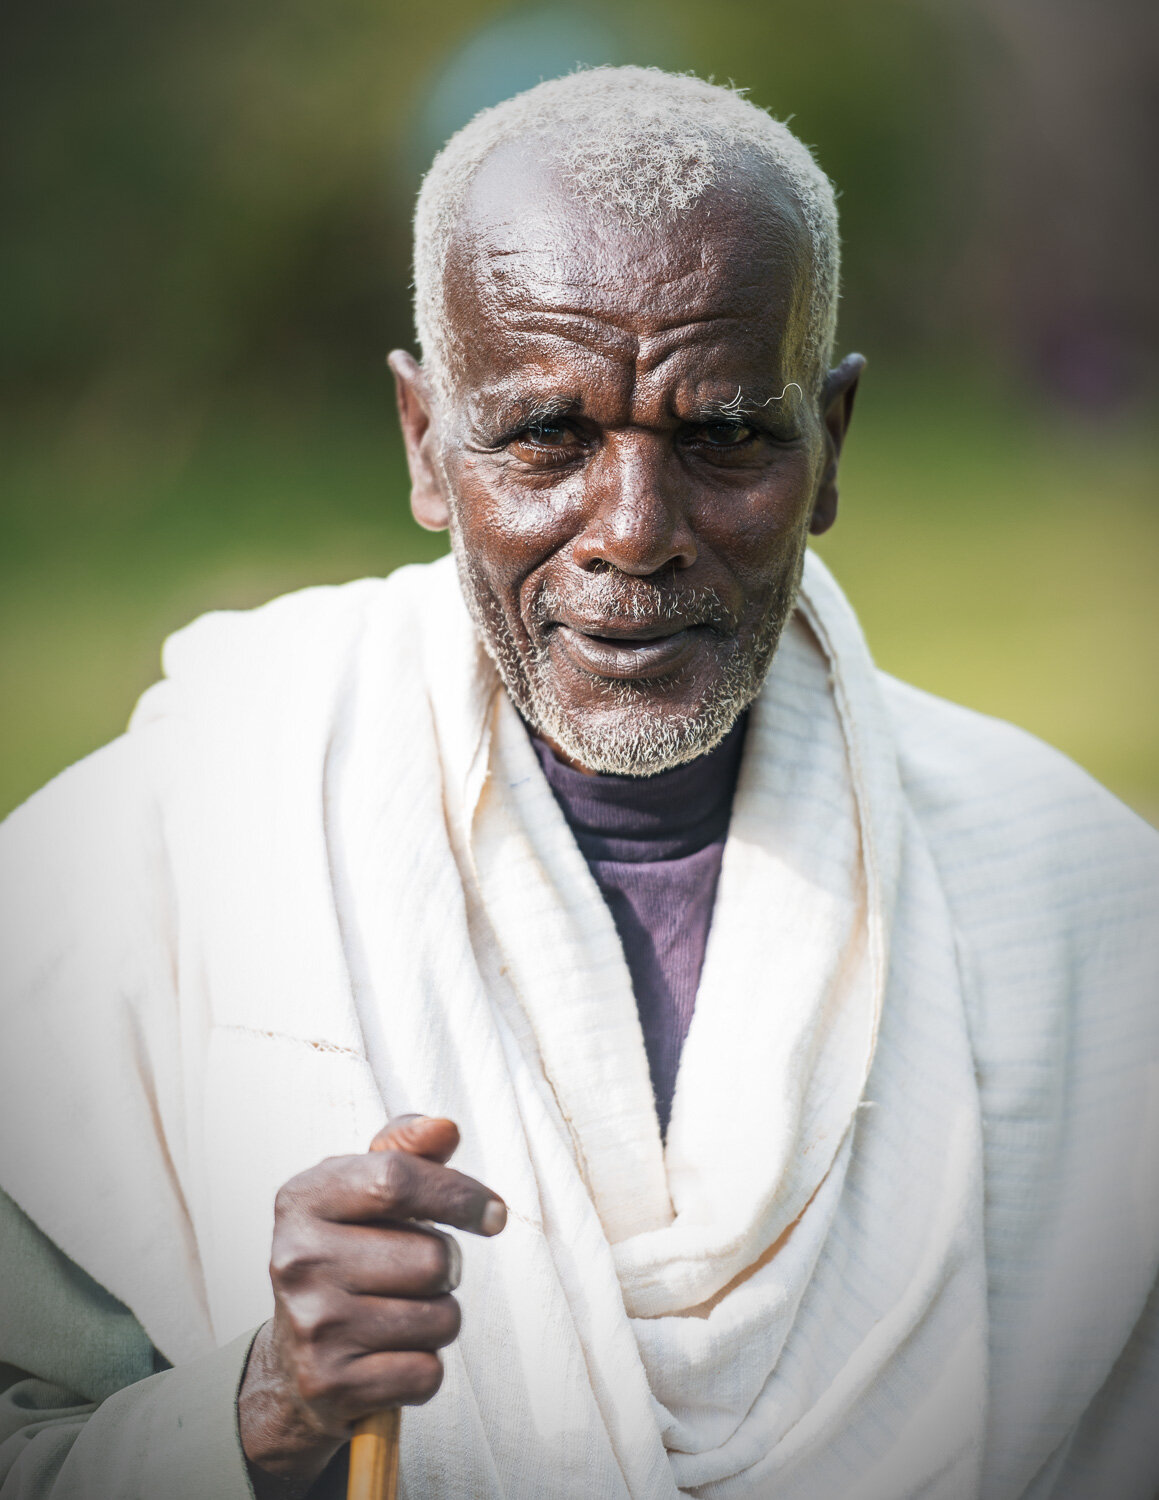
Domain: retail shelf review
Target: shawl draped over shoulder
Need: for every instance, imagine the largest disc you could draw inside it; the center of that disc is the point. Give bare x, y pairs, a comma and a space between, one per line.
902, 1237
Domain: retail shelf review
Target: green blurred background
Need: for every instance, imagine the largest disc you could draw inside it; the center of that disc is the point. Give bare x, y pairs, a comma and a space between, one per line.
207, 260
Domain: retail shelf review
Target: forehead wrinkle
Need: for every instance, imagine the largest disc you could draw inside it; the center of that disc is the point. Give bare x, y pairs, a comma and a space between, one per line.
711, 288
582, 310
523, 235
659, 346
573, 326
524, 302
551, 373
616, 363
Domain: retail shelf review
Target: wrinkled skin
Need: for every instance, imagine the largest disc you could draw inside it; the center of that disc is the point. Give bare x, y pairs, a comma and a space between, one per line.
626, 538
625, 535
362, 1298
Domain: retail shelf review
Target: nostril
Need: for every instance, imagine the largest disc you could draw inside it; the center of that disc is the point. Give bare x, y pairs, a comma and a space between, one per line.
643, 540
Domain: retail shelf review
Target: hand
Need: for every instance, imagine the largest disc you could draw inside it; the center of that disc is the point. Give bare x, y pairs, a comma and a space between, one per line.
362, 1296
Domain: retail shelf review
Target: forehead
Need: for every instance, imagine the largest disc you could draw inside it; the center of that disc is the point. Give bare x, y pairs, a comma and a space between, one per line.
541, 288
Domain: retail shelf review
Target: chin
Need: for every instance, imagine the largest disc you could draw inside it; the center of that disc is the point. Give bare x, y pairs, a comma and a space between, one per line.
634, 728
640, 737
637, 730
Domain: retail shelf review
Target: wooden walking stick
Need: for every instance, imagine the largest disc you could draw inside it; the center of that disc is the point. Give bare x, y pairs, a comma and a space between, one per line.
374, 1446
374, 1457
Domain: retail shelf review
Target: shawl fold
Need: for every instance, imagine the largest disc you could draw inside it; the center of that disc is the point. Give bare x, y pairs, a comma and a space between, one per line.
322, 879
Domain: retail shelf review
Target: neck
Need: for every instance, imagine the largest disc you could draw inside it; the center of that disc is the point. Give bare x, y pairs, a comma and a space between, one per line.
675, 811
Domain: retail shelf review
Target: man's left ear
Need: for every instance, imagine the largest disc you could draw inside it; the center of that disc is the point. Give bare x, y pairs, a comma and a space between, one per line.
837, 397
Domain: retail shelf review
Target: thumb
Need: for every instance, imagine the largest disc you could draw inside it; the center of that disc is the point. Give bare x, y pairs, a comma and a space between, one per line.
421, 1135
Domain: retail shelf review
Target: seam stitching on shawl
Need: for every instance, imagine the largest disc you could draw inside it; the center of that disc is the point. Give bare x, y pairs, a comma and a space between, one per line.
286, 1036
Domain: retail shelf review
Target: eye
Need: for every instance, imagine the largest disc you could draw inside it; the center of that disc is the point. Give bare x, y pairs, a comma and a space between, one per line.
724, 434
547, 435
546, 444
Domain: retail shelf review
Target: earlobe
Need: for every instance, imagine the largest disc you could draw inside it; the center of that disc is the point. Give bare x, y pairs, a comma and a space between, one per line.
825, 505
428, 502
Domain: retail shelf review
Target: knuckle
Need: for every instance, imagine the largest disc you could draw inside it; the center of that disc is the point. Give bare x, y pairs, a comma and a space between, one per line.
300, 1193
312, 1321
293, 1262
289, 1195
392, 1178
314, 1383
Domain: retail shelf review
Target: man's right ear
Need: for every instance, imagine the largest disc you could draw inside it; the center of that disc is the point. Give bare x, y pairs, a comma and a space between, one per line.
428, 502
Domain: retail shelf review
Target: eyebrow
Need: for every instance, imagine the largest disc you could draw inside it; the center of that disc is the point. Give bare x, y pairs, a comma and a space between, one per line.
742, 405
512, 411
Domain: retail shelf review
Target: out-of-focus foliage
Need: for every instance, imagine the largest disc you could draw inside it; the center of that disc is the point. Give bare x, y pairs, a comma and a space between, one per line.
207, 256
198, 194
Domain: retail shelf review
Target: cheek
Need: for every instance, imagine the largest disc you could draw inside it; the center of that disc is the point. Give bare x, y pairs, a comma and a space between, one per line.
508, 529
758, 530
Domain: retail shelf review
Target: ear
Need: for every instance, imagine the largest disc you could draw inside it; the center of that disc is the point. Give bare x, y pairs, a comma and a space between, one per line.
428, 501
837, 397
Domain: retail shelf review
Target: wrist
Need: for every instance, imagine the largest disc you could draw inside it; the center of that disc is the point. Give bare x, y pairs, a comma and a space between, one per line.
285, 1450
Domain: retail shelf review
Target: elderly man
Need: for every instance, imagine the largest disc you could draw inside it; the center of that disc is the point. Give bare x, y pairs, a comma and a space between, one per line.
801, 1027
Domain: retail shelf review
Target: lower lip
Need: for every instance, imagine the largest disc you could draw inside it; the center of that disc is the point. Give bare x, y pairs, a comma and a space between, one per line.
624, 659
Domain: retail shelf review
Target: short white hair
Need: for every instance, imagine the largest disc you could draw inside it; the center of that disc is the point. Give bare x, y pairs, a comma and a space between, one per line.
641, 145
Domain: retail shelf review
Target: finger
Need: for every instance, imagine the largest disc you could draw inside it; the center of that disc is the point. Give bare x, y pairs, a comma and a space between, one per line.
422, 1135
350, 1326
393, 1185
375, 1382
386, 1324
400, 1260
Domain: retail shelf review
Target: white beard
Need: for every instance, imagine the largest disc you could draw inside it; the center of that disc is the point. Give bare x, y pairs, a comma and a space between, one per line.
633, 735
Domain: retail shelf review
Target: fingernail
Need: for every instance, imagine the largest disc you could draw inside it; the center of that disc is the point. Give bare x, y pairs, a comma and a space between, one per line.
494, 1217
454, 1264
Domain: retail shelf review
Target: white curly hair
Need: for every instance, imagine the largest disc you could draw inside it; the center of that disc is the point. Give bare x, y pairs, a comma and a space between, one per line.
642, 145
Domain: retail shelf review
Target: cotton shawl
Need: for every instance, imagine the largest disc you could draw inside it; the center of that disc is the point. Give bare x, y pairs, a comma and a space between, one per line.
903, 1233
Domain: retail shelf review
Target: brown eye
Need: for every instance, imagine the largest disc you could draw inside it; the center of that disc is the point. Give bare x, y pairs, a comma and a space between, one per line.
547, 435
725, 434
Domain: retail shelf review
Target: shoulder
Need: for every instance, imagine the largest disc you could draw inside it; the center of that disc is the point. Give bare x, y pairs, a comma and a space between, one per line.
1052, 887
88, 860
1000, 808
309, 640
324, 613
225, 670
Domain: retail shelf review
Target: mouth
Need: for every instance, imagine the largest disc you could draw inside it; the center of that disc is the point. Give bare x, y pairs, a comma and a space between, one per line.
627, 654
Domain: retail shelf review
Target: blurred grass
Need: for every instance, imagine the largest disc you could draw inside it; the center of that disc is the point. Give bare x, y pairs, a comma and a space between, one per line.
1005, 557
997, 554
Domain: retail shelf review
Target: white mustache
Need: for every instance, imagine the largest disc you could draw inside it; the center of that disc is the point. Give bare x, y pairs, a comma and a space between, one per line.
604, 596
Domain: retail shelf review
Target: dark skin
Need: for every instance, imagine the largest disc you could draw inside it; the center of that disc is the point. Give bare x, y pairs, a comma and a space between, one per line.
363, 1298
593, 429
590, 427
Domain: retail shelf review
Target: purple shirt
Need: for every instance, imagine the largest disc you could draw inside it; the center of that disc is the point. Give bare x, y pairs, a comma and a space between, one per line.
654, 845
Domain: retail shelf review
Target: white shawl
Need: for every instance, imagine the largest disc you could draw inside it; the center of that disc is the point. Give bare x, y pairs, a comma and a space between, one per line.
906, 1222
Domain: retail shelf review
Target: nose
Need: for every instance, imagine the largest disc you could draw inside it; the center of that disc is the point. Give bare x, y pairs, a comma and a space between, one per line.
636, 520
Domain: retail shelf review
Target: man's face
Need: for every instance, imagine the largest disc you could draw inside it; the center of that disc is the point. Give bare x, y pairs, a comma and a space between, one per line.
628, 470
